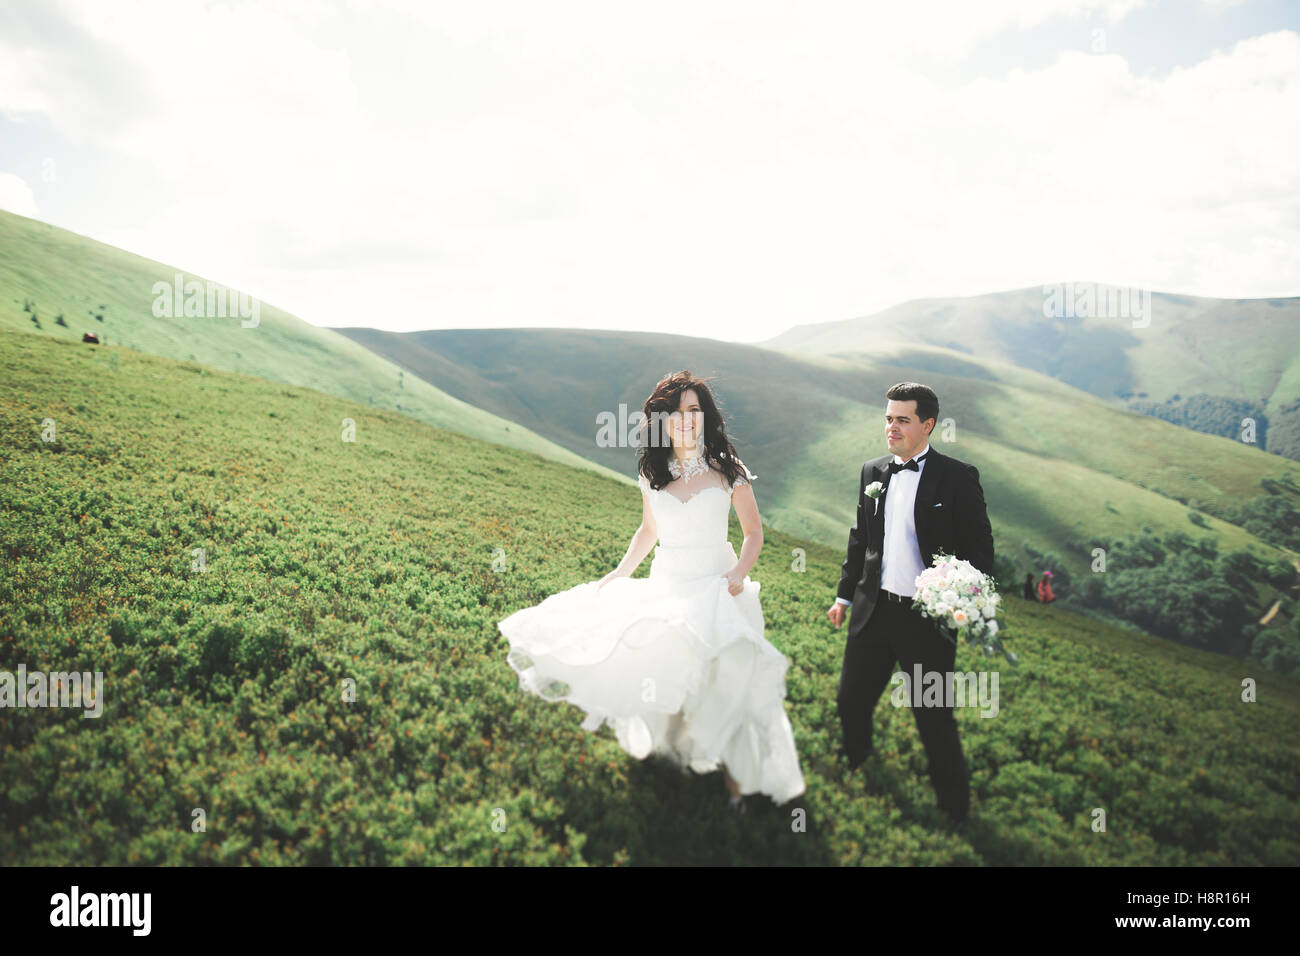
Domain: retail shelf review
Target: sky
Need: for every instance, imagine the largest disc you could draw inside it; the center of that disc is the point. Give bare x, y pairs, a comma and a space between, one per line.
708, 168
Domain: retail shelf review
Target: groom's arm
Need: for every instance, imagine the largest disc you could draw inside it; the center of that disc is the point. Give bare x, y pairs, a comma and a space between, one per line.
974, 533
851, 569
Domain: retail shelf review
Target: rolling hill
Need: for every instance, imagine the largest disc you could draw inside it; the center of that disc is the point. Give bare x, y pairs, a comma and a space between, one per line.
63, 285
1199, 362
1058, 466
208, 543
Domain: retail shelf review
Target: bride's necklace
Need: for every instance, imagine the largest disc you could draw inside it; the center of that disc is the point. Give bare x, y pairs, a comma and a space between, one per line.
693, 466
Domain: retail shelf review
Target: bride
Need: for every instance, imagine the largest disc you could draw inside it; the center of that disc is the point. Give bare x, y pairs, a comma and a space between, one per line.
676, 663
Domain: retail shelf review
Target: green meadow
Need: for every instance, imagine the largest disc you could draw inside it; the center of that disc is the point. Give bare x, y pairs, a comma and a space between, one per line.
65, 285
213, 545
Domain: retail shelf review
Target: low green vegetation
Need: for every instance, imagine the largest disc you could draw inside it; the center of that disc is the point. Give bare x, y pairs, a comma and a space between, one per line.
212, 545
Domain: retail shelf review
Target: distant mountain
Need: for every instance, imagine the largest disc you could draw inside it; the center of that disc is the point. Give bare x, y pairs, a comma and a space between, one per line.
58, 284
1202, 363
1059, 467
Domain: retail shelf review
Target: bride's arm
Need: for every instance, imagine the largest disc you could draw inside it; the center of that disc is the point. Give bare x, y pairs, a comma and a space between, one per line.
642, 542
742, 499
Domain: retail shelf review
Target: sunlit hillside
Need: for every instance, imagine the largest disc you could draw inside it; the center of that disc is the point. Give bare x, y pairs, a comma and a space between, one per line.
211, 545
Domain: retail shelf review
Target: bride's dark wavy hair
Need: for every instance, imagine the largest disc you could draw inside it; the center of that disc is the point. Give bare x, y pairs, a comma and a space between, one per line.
663, 401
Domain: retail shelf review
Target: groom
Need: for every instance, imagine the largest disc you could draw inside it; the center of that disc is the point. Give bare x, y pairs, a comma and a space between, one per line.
930, 503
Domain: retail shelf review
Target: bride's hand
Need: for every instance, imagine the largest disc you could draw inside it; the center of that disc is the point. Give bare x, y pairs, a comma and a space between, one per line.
607, 578
735, 581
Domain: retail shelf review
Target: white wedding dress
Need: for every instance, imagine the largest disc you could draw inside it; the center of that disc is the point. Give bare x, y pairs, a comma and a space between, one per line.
674, 662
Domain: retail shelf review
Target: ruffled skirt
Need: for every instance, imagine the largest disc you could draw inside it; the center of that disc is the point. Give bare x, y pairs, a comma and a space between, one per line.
674, 663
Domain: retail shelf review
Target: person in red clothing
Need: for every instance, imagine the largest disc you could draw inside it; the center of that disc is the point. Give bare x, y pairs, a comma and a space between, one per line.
1045, 588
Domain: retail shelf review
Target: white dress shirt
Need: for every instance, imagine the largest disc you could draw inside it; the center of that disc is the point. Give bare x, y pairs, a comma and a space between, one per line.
900, 560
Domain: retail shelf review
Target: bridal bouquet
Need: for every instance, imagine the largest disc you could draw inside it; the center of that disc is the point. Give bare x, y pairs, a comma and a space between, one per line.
964, 603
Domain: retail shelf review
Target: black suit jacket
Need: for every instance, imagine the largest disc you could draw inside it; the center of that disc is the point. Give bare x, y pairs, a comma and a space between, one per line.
950, 516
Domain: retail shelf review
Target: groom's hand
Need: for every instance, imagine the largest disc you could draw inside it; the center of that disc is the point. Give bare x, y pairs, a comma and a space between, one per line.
836, 613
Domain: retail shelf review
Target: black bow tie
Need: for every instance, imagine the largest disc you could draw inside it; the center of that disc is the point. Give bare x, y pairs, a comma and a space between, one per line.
912, 465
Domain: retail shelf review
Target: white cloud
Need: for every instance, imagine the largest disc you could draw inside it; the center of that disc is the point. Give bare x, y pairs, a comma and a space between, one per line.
726, 169
16, 196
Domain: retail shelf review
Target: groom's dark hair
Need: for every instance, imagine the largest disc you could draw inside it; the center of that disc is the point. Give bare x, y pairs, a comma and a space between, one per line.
927, 403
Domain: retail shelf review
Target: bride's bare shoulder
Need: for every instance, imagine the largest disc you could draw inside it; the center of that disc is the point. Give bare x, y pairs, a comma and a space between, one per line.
743, 476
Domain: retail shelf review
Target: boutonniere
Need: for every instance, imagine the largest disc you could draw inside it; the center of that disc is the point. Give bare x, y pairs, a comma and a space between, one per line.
875, 490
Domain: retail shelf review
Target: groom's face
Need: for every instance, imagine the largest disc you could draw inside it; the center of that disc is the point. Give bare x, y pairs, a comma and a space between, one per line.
904, 433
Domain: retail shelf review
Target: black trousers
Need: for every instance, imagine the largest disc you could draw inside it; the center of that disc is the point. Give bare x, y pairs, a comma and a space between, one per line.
896, 632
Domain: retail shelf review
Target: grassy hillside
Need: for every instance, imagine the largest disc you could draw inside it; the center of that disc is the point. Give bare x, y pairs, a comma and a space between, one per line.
1059, 466
372, 561
1200, 362
52, 274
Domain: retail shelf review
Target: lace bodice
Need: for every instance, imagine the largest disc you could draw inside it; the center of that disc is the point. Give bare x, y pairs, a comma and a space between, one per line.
692, 512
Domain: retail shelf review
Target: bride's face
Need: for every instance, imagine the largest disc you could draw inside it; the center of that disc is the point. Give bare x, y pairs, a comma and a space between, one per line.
686, 424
